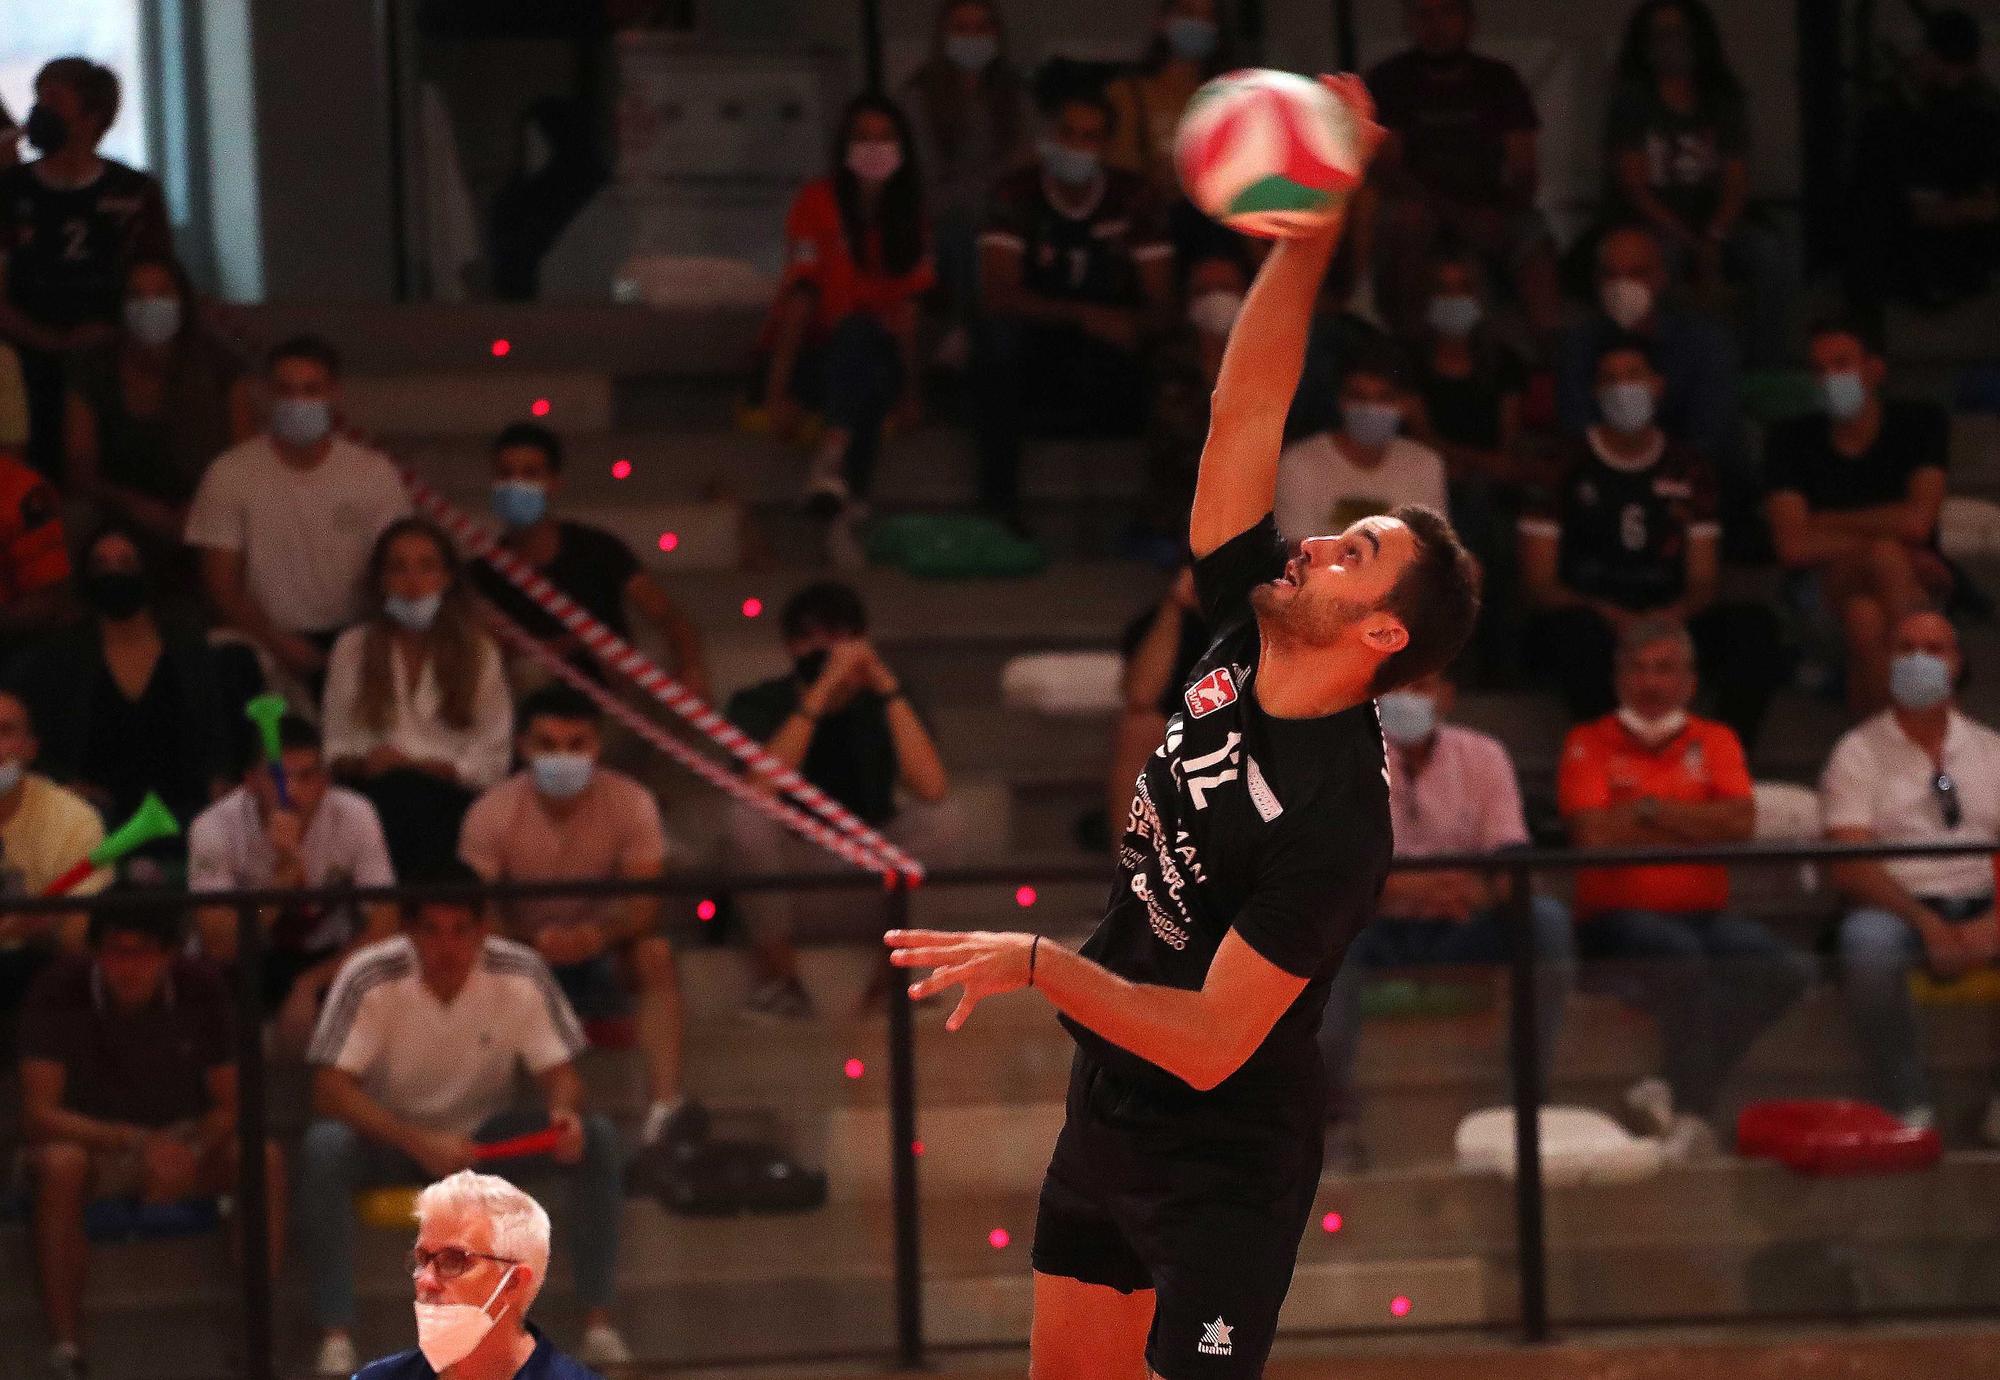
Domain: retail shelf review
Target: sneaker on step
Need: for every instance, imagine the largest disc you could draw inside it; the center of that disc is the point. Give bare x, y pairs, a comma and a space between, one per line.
336, 1356
1691, 1141
780, 1001
66, 1362
1924, 1118
602, 1347
844, 549
826, 488
1989, 1125
1651, 1103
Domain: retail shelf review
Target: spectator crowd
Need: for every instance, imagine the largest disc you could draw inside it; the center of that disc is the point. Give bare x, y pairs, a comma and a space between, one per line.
183, 529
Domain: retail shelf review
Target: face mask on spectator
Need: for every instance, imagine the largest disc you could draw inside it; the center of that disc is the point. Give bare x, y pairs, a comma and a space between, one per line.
1654, 730
1370, 424
10, 777
116, 594
153, 320
1455, 315
874, 160
301, 422
1844, 395
519, 502
1408, 718
972, 52
808, 665
561, 775
415, 614
1067, 165
47, 130
1627, 301
447, 1333
1626, 406
1213, 313
1190, 37
1919, 681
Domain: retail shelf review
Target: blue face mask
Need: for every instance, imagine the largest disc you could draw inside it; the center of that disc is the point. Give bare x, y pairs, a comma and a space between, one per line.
301, 422
1455, 316
1919, 681
519, 502
1408, 718
561, 775
1844, 395
1073, 167
1626, 406
415, 614
1191, 38
1370, 424
971, 52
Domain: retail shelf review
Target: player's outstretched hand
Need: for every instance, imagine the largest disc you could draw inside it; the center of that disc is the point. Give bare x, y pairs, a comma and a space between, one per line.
1352, 92
984, 963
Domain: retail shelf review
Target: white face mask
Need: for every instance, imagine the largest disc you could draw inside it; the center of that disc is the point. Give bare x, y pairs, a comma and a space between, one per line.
1214, 312
1654, 730
1627, 301
447, 1333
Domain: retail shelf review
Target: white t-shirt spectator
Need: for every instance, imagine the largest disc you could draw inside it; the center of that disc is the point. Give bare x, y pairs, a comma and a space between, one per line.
304, 534
481, 750
228, 850
444, 1067
1321, 491
1878, 780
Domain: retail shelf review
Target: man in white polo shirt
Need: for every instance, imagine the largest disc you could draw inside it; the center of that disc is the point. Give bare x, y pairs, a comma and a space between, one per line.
414, 1066
1918, 772
285, 521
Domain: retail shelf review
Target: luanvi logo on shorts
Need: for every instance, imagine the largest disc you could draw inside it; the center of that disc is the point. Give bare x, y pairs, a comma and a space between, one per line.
1211, 692
1215, 1339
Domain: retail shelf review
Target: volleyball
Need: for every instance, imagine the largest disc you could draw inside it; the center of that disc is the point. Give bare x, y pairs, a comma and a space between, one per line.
1270, 153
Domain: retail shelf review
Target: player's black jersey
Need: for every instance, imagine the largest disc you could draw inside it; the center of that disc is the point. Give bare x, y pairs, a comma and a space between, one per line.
1277, 828
68, 248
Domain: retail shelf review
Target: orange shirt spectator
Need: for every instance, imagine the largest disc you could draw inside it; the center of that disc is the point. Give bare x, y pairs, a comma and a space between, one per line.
33, 553
1605, 764
818, 256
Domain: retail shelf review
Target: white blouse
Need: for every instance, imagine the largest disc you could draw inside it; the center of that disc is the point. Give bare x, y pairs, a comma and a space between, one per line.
482, 751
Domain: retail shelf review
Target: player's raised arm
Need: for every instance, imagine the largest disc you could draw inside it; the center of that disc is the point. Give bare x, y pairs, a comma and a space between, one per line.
1260, 373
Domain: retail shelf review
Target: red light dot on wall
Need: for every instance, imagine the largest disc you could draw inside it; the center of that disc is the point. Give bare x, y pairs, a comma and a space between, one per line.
540, 407
1025, 897
621, 469
854, 1068
916, 1147
669, 540
998, 1238
752, 607
1400, 1306
502, 348
704, 911
1331, 1223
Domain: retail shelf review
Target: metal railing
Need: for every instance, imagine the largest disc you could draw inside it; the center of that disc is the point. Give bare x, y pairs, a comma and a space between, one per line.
1518, 866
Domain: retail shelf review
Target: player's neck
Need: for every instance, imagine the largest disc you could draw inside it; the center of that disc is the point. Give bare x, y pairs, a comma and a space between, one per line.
1298, 682
71, 168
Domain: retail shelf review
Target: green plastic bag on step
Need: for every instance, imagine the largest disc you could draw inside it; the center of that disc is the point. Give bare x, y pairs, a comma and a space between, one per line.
953, 546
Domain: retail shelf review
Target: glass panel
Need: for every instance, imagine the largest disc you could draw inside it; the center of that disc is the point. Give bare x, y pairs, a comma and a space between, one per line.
106, 31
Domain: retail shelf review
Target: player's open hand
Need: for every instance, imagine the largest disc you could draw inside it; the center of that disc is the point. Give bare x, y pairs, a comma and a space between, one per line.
1352, 92
984, 963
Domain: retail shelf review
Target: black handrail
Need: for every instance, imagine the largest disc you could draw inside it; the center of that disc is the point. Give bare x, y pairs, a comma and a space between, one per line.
1518, 864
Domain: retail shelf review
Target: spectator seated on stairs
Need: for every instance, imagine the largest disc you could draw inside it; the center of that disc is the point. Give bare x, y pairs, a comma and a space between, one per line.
1451, 790
128, 1086
1366, 466
325, 836
1918, 772
1855, 494
1160, 646
1664, 937
417, 714
285, 520
37, 597
567, 817
842, 720
590, 565
44, 830
415, 1061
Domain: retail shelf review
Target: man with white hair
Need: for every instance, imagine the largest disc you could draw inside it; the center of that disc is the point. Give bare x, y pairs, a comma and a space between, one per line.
482, 1253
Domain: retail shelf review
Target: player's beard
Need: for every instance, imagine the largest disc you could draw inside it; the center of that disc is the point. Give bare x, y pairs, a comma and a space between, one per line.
1305, 620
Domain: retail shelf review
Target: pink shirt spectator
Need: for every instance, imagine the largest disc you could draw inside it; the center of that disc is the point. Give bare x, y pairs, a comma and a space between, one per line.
1465, 800
611, 830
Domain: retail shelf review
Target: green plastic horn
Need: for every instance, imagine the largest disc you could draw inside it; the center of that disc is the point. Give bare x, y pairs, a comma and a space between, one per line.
265, 711
152, 820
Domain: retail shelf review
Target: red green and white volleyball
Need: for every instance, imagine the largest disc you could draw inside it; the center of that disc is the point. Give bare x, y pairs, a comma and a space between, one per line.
1269, 153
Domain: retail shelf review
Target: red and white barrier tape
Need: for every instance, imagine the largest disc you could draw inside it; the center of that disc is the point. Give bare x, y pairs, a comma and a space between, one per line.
710, 771
612, 650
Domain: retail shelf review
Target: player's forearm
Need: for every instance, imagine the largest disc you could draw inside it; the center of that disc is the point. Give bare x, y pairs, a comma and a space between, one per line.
562, 1089
1267, 346
1167, 1026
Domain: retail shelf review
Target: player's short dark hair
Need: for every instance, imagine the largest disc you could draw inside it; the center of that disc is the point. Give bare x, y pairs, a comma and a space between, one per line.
533, 435
96, 86
157, 917
827, 606
315, 348
558, 701
1436, 598
449, 872
295, 733
1952, 36
1868, 334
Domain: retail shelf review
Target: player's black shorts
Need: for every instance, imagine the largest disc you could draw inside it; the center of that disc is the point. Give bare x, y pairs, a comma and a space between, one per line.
1205, 1207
